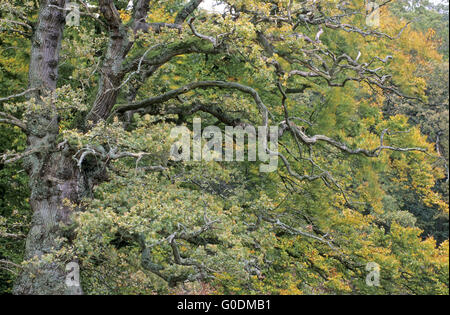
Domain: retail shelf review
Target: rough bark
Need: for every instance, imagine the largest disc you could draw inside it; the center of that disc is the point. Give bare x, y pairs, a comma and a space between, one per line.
54, 176
112, 73
111, 76
111, 69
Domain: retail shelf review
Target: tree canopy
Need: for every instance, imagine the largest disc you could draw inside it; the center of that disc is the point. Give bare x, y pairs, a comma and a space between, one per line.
86, 113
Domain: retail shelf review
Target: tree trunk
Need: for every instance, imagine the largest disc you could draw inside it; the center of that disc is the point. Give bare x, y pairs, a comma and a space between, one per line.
54, 180
111, 69
54, 176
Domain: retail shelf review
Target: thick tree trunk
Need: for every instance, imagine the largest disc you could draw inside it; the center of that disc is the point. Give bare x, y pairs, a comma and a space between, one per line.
54, 180
111, 69
54, 176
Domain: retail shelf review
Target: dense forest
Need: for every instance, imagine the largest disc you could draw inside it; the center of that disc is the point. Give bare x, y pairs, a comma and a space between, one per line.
94, 201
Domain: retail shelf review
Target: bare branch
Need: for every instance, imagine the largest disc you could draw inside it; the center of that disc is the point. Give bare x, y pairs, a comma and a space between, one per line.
187, 10
194, 31
8, 265
295, 231
145, 104
11, 235
12, 121
141, 10
4, 99
343, 147
11, 158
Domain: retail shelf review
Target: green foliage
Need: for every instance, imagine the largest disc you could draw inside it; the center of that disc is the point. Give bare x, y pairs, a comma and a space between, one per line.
260, 233
14, 208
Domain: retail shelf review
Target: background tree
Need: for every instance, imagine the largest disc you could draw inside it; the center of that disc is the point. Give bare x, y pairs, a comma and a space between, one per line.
431, 23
